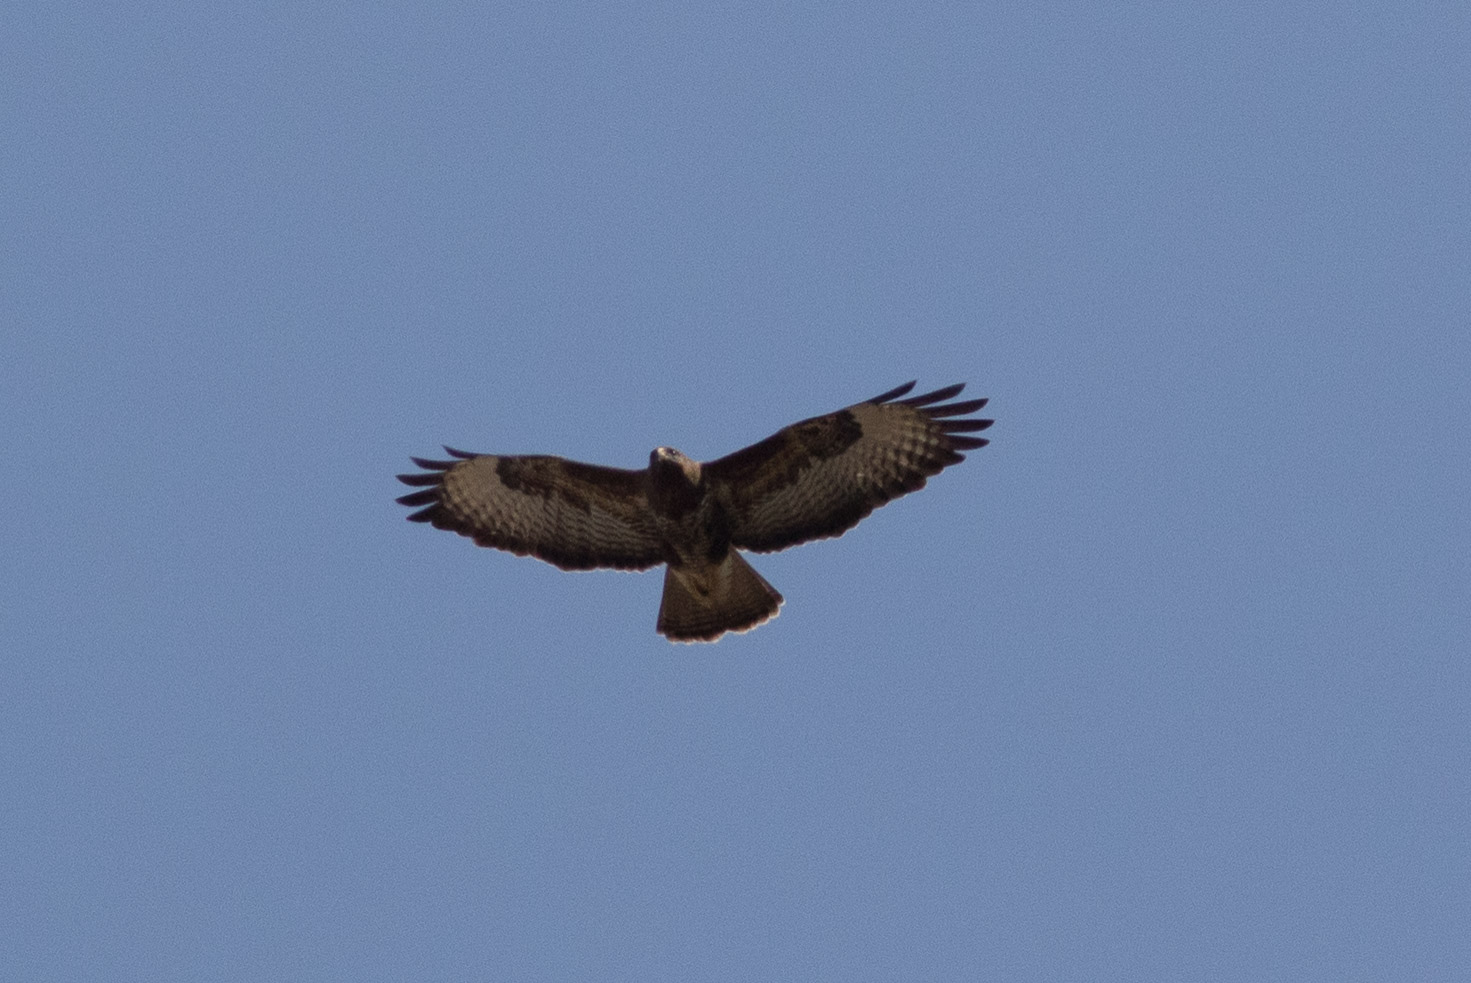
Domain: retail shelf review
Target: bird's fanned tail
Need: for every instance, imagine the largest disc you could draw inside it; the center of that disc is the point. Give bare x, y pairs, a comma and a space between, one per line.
701, 605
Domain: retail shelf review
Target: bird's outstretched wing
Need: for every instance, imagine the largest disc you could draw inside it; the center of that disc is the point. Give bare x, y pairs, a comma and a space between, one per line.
576, 516
819, 477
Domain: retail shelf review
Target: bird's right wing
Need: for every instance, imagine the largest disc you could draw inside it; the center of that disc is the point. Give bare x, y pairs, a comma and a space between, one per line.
576, 516
819, 477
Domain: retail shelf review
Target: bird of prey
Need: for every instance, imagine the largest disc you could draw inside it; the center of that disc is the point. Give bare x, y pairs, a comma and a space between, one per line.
811, 480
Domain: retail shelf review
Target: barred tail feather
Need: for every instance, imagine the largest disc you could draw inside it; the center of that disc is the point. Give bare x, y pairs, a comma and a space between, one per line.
700, 605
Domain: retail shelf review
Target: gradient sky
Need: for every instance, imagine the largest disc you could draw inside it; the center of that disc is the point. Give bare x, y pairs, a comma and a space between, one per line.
1168, 683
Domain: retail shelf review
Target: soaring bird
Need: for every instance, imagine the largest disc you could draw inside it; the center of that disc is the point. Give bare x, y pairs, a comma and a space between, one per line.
812, 480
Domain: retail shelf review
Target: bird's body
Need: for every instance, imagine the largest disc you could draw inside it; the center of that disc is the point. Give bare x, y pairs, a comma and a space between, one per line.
708, 587
811, 480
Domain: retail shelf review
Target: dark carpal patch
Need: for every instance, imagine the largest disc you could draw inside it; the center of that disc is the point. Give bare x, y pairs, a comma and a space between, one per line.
828, 436
546, 477
537, 476
780, 458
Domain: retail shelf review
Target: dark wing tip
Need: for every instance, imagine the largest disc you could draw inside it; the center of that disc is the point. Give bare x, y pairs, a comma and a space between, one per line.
429, 483
950, 418
964, 426
956, 409
426, 497
893, 393
939, 395
426, 478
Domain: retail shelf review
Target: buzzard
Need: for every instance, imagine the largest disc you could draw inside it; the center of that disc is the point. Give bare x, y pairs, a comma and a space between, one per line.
811, 480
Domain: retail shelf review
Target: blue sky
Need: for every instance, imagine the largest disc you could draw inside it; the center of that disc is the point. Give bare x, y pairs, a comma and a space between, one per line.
1169, 682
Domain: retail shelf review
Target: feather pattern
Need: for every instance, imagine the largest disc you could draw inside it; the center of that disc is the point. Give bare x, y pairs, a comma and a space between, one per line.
576, 516
819, 477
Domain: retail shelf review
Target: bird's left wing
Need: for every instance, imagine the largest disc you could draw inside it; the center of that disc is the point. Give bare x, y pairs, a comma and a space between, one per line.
574, 515
819, 477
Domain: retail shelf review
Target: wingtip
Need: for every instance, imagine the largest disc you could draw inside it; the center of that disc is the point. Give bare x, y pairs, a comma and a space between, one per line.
415, 499
893, 394
963, 426
938, 396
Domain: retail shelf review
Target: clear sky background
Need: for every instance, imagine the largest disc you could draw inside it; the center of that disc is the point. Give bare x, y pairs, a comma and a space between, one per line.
1170, 682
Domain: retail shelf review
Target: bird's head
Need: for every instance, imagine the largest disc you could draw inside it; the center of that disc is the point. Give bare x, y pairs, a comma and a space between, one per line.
669, 461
